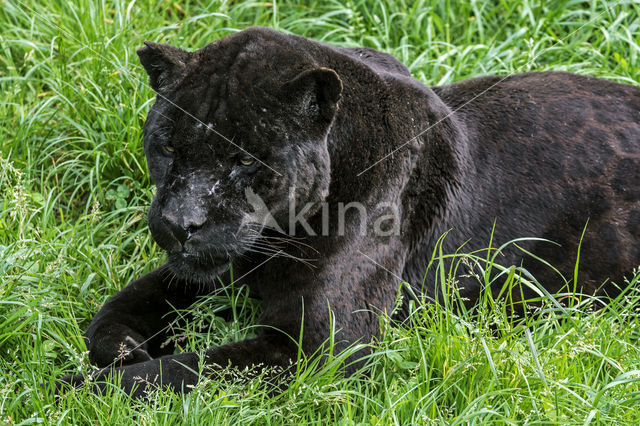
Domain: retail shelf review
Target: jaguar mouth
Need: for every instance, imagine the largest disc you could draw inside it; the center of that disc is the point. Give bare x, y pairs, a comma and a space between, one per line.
199, 266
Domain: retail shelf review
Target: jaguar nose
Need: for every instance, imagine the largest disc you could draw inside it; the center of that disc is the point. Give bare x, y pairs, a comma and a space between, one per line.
182, 232
178, 232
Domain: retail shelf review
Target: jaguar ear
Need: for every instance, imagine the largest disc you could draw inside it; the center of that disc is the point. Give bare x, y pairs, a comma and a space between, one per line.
162, 63
317, 92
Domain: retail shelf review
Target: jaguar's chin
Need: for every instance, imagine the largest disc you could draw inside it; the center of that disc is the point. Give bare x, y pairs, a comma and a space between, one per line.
201, 267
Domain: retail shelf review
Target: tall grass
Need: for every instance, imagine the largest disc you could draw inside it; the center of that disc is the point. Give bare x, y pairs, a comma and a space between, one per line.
74, 191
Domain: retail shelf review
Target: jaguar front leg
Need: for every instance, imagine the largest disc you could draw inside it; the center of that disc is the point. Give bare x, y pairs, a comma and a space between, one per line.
134, 325
181, 372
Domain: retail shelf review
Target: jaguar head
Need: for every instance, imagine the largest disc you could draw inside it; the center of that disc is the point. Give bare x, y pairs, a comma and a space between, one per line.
239, 128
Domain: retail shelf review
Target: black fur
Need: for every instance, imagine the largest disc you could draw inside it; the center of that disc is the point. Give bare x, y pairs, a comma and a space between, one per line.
538, 153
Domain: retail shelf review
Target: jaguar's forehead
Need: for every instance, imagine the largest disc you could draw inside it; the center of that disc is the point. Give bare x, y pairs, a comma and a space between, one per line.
223, 129
234, 85
243, 71
218, 134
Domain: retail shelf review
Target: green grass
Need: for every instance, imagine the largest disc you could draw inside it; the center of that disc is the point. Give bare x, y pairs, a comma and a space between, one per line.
74, 190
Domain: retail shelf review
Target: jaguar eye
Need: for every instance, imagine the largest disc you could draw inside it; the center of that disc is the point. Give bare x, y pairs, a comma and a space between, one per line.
169, 148
247, 161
